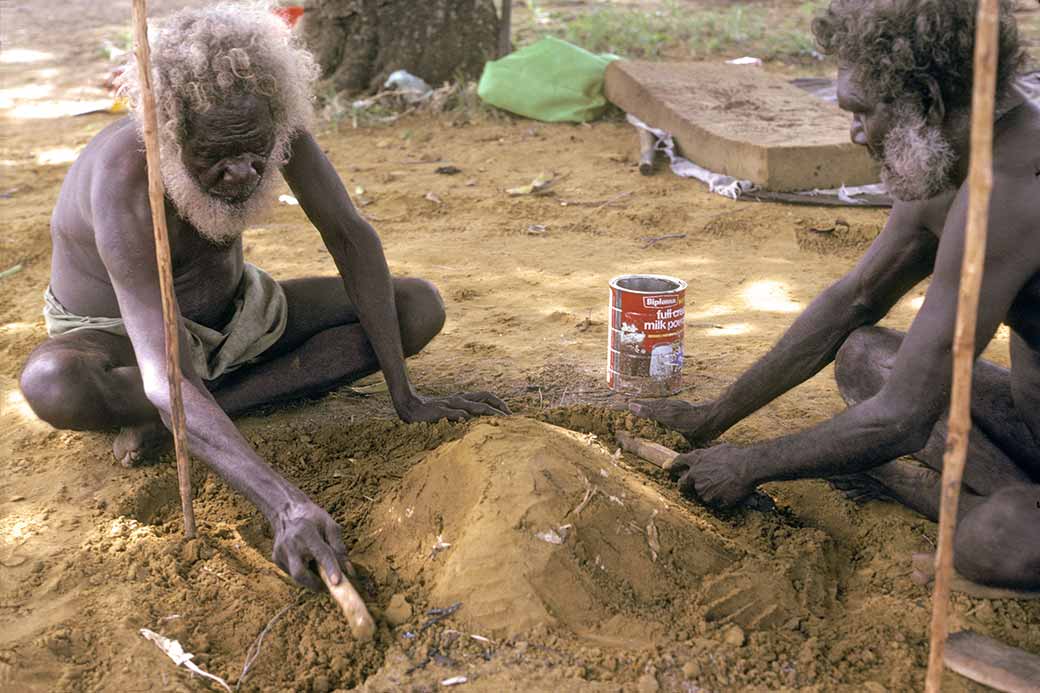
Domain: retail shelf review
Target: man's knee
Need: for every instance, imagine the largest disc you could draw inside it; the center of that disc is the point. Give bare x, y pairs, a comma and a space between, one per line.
862, 363
996, 543
59, 386
420, 310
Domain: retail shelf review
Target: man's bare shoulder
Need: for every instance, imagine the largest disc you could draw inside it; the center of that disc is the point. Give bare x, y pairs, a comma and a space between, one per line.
110, 170
1016, 145
115, 151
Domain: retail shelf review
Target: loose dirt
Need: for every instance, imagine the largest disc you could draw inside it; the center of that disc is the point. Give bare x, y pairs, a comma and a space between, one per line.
815, 596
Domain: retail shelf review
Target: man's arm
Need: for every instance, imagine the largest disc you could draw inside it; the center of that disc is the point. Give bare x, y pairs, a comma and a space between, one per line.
900, 417
900, 257
122, 223
359, 257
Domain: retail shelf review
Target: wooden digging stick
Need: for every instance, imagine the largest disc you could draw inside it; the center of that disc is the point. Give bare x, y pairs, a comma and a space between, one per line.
664, 457
980, 185
171, 322
654, 453
353, 606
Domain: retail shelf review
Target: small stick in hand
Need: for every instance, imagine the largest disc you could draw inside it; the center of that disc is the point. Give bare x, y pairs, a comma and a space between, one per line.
344, 594
654, 453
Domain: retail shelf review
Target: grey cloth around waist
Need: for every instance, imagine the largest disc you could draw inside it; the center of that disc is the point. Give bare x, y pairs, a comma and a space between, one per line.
258, 322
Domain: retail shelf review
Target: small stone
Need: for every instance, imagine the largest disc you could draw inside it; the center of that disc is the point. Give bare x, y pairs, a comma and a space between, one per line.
15, 499
691, 670
984, 611
399, 610
648, 684
734, 636
321, 684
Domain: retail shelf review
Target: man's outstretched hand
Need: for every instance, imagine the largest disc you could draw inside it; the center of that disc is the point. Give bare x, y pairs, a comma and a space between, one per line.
717, 476
306, 536
693, 421
454, 408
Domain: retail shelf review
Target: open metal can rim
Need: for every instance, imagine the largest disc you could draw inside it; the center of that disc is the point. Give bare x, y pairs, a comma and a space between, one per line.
680, 285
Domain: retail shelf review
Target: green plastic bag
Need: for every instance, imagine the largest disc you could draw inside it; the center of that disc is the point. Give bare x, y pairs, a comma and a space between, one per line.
550, 80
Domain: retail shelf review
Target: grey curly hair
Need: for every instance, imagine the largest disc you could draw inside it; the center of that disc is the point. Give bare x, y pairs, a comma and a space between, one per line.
201, 56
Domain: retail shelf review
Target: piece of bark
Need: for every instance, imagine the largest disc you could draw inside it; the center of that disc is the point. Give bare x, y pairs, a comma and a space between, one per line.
992, 663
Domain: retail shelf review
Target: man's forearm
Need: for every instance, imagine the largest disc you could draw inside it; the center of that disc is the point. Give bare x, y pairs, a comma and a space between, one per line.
369, 285
861, 437
806, 348
214, 439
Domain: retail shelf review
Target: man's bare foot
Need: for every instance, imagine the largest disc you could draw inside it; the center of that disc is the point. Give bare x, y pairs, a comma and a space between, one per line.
691, 420
144, 443
923, 573
859, 488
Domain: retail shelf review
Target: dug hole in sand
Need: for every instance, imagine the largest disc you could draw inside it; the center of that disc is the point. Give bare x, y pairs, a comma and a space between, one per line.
530, 525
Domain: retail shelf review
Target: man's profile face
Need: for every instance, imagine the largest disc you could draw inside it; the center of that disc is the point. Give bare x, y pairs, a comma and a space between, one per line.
917, 159
226, 148
871, 116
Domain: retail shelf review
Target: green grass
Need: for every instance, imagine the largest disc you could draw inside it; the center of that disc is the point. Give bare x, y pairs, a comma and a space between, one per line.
746, 28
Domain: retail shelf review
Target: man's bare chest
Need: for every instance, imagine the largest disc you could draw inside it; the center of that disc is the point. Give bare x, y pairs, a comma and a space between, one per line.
206, 279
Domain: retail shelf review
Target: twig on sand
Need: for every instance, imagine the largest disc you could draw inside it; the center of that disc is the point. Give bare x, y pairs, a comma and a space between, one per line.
607, 203
980, 186
667, 237
599, 204
254, 650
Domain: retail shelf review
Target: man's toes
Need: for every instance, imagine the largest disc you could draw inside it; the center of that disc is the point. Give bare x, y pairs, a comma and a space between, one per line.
136, 444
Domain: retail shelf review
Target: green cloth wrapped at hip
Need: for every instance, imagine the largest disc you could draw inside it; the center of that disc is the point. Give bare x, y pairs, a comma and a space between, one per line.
258, 322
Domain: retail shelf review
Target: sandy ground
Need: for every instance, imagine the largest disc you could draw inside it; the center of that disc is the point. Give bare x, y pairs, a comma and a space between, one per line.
643, 592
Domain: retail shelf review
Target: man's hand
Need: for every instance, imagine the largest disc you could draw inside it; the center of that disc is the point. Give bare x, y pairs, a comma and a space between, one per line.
306, 534
693, 421
454, 408
717, 476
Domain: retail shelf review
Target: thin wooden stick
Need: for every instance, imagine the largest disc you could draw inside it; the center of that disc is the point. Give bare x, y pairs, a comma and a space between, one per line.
156, 198
353, 606
980, 185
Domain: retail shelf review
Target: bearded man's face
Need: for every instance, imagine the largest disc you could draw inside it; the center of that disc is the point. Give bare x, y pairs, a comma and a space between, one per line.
917, 160
223, 178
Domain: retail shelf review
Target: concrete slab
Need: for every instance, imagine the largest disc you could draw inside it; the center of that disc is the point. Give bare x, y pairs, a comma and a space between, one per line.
743, 122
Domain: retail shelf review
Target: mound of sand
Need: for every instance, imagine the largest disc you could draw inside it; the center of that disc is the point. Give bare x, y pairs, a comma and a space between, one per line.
528, 524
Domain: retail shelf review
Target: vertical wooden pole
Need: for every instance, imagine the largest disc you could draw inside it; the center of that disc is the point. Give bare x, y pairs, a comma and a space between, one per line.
156, 198
980, 185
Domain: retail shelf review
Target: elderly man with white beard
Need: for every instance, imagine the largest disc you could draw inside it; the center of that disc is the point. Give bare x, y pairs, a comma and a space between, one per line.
905, 75
233, 98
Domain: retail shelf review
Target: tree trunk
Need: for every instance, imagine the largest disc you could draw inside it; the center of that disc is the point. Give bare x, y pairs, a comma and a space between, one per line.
358, 43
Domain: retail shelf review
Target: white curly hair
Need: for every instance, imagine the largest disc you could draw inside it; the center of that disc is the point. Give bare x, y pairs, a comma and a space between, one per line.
199, 57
